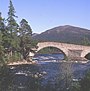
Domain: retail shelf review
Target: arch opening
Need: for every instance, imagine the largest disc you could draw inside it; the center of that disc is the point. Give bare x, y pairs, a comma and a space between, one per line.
87, 56
50, 53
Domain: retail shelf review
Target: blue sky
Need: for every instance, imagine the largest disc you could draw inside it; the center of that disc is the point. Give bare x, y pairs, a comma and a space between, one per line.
46, 14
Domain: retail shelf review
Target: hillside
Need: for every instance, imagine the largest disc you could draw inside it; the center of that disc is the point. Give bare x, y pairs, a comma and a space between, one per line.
67, 33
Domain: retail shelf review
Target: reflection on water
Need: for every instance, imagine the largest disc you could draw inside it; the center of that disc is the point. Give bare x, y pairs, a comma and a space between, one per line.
45, 76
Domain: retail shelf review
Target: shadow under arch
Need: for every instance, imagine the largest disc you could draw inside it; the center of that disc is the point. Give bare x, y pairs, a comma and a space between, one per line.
50, 50
87, 56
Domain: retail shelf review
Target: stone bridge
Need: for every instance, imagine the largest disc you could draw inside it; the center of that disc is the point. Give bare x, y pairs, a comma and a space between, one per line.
70, 50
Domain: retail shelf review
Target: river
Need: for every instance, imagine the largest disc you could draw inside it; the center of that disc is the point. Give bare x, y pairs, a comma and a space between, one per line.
47, 73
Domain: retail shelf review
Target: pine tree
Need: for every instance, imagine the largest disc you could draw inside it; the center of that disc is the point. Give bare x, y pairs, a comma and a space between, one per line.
14, 38
25, 28
26, 41
12, 25
2, 33
2, 25
12, 31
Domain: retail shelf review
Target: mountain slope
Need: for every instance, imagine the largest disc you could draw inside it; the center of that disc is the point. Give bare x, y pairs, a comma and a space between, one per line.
67, 33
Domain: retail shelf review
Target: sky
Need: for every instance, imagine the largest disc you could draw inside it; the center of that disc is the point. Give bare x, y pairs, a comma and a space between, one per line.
46, 14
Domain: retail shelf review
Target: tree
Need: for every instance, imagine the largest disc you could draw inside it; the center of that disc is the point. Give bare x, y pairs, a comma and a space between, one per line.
25, 28
2, 25
26, 41
12, 25
15, 39
2, 33
86, 41
12, 41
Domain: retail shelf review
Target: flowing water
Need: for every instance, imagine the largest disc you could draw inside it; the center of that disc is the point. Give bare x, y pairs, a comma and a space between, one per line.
48, 71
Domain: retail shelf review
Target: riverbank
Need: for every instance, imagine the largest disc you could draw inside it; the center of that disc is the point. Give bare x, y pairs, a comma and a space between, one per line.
21, 63
36, 62
79, 60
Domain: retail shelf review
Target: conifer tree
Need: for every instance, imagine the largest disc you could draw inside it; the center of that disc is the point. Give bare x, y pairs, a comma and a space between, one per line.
12, 25
26, 42
12, 30
14, 38
2, 32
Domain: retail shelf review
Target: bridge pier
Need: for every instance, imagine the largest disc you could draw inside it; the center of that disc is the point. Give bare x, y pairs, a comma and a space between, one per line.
74, 53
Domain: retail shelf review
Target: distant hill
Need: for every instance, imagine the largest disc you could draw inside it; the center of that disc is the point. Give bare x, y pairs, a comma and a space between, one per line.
34, 34
67, 34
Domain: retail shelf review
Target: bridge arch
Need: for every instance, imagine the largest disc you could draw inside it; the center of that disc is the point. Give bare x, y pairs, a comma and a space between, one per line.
52, 44
59, 50
84, 53
88, 56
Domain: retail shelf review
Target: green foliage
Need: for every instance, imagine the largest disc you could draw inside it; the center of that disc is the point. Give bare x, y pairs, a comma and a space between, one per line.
15, 40
48, 50
86, 41
8, 35
26, 41
2, 49
16, 56
12, 27
25, 28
